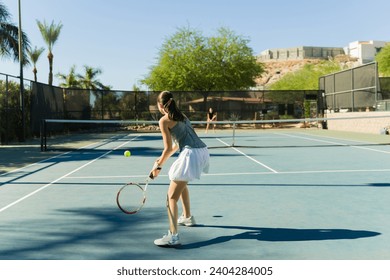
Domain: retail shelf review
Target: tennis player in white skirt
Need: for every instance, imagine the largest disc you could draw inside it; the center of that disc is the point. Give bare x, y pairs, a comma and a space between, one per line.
193, 160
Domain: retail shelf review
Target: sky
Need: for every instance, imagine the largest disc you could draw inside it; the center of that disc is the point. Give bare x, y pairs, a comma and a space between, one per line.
123, 37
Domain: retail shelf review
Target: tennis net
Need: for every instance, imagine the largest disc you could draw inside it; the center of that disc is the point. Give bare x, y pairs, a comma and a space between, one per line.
62, 134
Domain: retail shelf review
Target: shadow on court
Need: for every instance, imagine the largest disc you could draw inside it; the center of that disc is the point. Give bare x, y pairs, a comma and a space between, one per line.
95, 233
89, 233
280, 235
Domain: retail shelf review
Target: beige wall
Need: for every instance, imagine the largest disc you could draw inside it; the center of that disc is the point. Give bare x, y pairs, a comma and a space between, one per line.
368, 125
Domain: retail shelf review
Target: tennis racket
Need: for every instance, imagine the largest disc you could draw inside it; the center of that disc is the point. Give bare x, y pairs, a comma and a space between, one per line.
132, 196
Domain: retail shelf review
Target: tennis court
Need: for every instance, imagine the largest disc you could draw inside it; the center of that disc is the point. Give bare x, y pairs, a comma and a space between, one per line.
296, 194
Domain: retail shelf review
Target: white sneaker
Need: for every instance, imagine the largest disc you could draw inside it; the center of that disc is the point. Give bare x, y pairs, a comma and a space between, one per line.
188, 222
169, 240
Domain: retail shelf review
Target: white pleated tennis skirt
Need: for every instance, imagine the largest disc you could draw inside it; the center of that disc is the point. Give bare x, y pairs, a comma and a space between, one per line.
190, 164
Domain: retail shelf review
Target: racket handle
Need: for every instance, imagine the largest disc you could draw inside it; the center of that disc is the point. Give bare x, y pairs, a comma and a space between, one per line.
151, 175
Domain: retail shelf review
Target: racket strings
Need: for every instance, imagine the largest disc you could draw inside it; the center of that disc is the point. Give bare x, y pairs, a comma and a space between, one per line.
131, 198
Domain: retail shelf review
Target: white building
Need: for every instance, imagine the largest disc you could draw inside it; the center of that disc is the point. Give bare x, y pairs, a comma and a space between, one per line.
364, 51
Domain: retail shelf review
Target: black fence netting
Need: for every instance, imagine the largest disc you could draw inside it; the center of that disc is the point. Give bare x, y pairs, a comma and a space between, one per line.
384, 87
14, 109
56, 103
42, 101
355, 89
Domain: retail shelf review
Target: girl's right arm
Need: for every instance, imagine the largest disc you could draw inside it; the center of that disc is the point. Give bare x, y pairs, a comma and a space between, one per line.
169, 149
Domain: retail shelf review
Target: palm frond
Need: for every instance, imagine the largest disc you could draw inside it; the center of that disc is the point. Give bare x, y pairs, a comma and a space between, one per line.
9, 41
34, 54
50, 33
4, 14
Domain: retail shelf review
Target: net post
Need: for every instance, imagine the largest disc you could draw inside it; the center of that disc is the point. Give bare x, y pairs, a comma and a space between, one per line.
234, 133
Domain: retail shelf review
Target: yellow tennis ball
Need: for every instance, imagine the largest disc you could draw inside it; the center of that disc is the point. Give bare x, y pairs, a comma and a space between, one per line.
127, 153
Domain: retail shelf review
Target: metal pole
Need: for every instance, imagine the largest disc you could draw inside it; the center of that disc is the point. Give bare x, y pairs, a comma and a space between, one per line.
376, 83
234, 134
22, 137
353, 90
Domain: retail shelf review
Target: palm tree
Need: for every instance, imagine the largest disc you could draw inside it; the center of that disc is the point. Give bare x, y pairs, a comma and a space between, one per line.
70, 80
34, 56
50, 34
9, 41
89, 80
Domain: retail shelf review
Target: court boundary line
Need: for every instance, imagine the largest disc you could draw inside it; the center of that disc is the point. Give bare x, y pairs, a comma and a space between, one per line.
242, 173
334, 143
66, 175
354, 146
247, 156
59, 155
32, 164
44, 160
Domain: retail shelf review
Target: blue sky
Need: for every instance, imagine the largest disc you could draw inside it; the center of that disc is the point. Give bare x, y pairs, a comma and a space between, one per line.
122, 37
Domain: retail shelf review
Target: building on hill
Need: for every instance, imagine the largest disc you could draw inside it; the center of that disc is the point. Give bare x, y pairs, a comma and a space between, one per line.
279, 62
364, 51
298, 53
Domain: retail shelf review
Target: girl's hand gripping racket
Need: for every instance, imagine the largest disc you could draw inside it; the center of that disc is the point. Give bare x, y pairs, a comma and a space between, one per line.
132, 196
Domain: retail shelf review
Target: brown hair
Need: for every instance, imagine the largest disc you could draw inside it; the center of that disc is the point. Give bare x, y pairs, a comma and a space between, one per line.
165, 98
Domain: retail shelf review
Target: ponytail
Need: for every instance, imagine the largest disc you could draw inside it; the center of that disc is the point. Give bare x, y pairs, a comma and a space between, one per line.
166, 99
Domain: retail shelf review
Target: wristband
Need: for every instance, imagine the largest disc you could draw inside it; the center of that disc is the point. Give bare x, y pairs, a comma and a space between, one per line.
156, 166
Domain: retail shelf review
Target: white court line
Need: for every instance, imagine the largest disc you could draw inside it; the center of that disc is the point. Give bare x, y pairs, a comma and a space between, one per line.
64, 176
299, 172
312, 139
358, 147
249, 157
32, 164
336, 143
244, 173
60, 155
44, 160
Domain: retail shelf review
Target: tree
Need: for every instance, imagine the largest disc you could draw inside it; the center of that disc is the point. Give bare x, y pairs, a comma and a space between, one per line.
69, 80
89, 80
50, 34
233, 64
9, 40
9, 123
383, 59
188, 61
177, 61
34, 55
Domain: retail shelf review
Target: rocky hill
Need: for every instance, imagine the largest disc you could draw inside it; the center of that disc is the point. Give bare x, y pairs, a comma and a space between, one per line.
274, 70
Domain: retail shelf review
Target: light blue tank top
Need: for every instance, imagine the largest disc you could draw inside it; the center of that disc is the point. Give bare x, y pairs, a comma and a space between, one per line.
185, 135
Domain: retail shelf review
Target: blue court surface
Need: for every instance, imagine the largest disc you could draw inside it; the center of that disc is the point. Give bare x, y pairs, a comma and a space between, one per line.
276, 195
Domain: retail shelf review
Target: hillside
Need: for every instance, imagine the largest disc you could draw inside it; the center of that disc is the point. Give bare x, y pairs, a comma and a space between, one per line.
275, 70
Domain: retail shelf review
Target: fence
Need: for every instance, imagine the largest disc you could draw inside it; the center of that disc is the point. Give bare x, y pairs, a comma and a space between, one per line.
383, 104
353, 90
49, 102
14, 116
52, 102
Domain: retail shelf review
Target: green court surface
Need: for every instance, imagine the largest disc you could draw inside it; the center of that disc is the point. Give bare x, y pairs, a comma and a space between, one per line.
276, 195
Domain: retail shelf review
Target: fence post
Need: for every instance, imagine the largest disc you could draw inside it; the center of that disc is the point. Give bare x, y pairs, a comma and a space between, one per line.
43, 135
